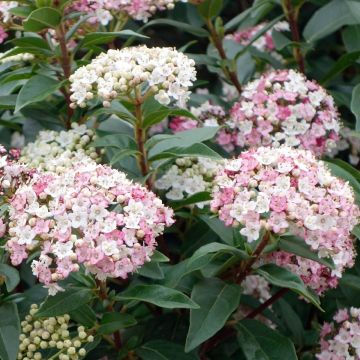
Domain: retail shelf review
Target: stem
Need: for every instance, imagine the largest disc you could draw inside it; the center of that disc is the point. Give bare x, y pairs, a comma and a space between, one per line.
140, 137
230, 75
245, 272
292, 15
65, 62
267, 303
104, 296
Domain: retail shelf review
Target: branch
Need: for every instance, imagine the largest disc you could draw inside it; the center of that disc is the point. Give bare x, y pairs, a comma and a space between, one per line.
292, 17
267, 303
231, 75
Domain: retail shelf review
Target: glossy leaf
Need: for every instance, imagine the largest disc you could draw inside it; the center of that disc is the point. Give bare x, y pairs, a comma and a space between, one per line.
259, 342
286, 279
64, 302
158, 295
42, 18
9, 331
112, 322
217, 300
194, 30
11, 275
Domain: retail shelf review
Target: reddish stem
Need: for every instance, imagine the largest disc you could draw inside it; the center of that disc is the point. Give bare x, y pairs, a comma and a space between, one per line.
231, 75
267, 303
292, 17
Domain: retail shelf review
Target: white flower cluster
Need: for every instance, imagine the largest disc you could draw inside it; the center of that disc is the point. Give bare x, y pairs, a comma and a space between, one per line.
57, 151
43, 334
15, 58
164, 72
189, 176
5, 7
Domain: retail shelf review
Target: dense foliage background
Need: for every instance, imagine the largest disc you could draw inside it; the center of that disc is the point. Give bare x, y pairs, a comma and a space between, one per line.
208, 291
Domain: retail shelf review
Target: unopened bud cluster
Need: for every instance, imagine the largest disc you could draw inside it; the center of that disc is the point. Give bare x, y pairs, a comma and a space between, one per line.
57, 151
42, 335
163, 72
15, 58
189, 176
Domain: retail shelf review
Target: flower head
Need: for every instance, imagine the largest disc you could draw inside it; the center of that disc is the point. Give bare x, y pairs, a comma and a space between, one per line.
283, 107
91, 215
287, 190
163, 72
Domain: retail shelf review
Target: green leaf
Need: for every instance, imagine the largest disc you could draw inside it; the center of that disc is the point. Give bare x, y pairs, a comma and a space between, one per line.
342, 173
218, 249
193, 199
84, 315
355, 105
194, 150
42, 18
158, 295
183, 139
346, 166
97, 38
11, 275
163, 350
159, 115
343, 63
210, 8
296, 245
259, 342
31, 41
9, 331
281, 41
151, 270
8, 101
159, 257
112, 322
218, 227
194, 30
217, 300
356, 231
332, 17
284, 278
64, 302
38, 88
351, 38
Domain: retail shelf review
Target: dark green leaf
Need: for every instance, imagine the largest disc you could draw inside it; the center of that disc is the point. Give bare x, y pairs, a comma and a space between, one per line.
38, 88
217, 300
163, 350
286, 279
11, 275
9, 331
210, 8
158, 295
112, 322
194, 30
84, 315
193, 199
217, 226
259, 342
42, 18
159, 115
351, 38
332, 17
64, 302
355, 105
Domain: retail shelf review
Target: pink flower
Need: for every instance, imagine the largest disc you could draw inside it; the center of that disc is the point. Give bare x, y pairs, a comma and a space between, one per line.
178, 124
3, 35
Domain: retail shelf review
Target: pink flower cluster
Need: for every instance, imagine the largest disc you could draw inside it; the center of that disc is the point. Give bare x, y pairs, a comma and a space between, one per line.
91, 215
137, 9
340, 340
3, 35
283, 107
207, 115
288, 190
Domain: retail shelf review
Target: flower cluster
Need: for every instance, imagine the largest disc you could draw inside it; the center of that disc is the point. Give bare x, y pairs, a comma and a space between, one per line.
283, 107
5, 7
92, 215
207, 115
287, 190
163, 72
188, 176
46, 334
265, 42
56, 151
103, 11
15, 58
340, 340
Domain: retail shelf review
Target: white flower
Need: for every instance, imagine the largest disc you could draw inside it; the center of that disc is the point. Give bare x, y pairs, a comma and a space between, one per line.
26, 235
97, 212
63, 250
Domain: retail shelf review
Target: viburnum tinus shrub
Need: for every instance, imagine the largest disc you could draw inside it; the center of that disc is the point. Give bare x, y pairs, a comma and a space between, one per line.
166, 197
